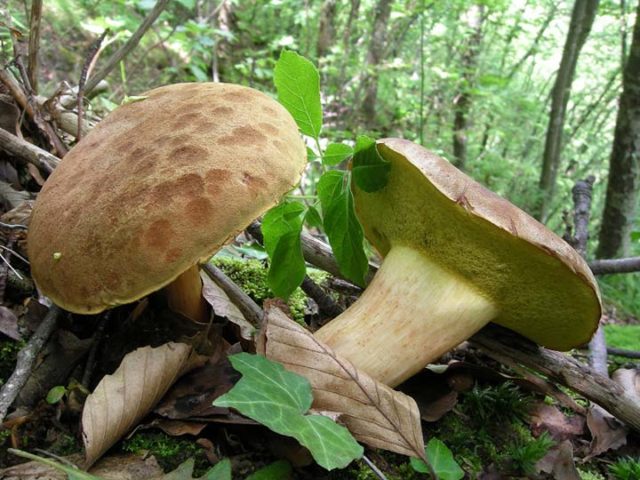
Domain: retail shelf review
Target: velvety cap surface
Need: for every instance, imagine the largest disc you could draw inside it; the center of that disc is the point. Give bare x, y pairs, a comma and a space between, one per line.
158, 185
542, 287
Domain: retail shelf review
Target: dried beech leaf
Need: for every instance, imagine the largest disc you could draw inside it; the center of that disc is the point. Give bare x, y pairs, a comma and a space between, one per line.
9, 324
224, 307
607, 432
559, 462
122, 399
549, 418
374, 413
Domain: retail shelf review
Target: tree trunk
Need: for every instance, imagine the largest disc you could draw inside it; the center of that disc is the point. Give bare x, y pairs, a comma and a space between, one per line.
374, 59
624, 164
584, 12
462, 100
326, 29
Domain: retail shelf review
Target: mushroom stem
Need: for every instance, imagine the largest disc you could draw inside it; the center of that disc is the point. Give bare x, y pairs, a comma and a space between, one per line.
184, 295
412, 312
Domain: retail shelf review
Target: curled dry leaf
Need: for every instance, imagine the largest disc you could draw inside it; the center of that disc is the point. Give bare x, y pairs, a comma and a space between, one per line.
559, 462
374, 413
122, 399
607, 432
224, 307
9, 324
549, 418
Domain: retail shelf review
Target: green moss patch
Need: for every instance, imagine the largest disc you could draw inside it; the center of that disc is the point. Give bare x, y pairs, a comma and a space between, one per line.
623, 336
251, 276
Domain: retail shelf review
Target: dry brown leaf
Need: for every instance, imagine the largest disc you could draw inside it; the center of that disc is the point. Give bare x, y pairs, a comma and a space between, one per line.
122, 399
559, 462
374, 413
224, 307
549, 418
607, 432
9, 324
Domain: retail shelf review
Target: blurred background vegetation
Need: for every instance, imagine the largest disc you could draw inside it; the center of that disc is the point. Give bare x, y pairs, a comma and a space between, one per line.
471, 80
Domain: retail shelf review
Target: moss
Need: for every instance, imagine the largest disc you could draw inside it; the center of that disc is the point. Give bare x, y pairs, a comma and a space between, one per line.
169, 451
8, 352
251, 276
626, 468
589, 475
398, 468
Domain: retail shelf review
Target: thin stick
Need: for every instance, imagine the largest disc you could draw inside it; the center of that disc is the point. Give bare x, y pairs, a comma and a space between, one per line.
26, 359
622, 352
251, 311
34, 43
127, 47
376, 471
43, 160
93, 52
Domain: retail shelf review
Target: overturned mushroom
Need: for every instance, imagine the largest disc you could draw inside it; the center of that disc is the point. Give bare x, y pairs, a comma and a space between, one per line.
457, 256
157, 187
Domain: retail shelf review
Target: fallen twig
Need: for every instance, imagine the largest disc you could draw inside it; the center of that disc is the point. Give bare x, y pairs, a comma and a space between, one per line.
26, 360
251, 311
498, 342
34, 43
43, 160
623, 352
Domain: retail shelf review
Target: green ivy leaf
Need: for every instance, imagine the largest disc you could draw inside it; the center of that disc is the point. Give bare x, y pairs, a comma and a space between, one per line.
281, 227
370, 170
279, 470
279, 399
336, 153
342, 226
441, 460
298, 85
311, 154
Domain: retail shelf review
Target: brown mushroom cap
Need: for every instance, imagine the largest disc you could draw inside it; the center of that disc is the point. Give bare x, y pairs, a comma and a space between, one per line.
543, 289
157, 186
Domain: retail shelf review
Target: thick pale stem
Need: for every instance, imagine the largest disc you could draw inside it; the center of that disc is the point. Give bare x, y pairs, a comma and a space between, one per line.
184, 295
412, 312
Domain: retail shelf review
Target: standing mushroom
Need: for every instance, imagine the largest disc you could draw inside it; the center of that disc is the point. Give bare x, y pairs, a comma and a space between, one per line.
456, 256
158, 186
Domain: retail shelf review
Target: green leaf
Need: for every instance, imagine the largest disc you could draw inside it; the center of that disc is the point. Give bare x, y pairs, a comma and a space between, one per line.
221, 471
635, 236
313, 217
342, 226
370, 170
441, 460
281, 227
280, 470
298, 85
311, 154
279, 399
336, 153
56, 394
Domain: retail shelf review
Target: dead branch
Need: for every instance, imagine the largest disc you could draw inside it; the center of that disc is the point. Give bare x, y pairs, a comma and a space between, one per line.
26, 360
498, 342
34, 43
88, 63
127, 47
615, 265
32, 109
43, 160
622, 352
